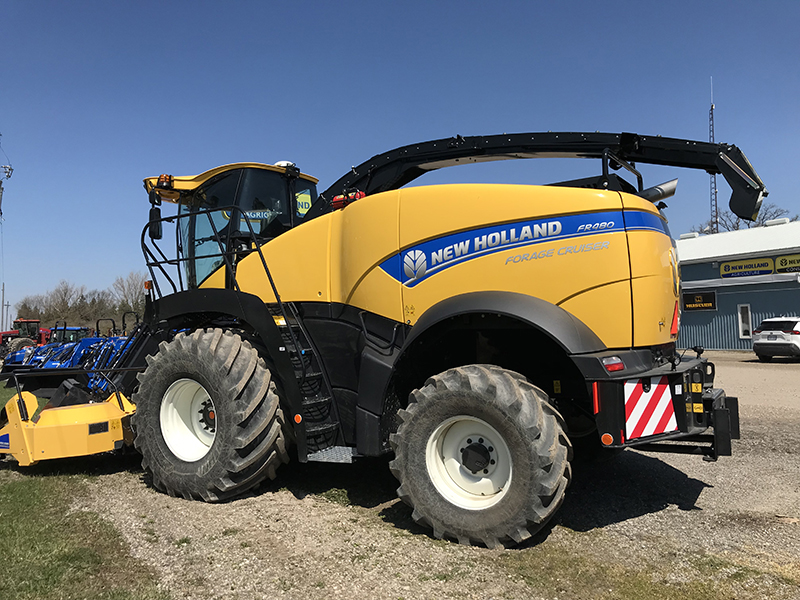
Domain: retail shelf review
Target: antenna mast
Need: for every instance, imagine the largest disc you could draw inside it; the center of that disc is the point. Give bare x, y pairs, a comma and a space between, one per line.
714, 211
5, 173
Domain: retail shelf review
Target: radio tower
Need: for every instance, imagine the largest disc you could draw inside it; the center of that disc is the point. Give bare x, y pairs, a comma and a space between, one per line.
5, 173
714, 212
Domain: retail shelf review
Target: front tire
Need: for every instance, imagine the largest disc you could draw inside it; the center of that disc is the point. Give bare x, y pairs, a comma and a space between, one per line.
208, 422
481, 456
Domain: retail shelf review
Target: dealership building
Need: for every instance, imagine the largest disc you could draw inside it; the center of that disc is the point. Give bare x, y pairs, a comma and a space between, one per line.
733, 280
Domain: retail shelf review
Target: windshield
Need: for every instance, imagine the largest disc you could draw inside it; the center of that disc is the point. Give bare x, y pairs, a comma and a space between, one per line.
270, 201
777, 325
28, 329
69, 335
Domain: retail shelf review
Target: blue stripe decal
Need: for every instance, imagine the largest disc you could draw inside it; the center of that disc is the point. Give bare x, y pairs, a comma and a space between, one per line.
419, 262
5, 442
638, 220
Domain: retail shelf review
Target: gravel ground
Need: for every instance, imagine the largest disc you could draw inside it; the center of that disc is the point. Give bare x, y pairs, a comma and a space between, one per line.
337, 531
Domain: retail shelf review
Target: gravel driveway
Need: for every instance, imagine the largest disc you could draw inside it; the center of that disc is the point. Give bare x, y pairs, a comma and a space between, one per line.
338, 531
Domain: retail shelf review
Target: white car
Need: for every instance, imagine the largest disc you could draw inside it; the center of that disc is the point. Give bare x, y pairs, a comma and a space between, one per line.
779, 336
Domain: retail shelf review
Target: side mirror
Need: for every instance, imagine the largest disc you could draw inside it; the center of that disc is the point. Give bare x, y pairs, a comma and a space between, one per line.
155, 223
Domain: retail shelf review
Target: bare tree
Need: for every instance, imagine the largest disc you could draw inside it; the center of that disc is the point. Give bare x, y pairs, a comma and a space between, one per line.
129, 292
730, 222
81, 307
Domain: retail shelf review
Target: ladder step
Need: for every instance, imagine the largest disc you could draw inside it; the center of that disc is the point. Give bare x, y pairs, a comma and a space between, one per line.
317, 408
315, 401
309, 374
320, 428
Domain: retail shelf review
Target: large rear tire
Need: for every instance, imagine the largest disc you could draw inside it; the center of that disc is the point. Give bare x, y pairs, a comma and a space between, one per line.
19, 343
208, 422
481, 456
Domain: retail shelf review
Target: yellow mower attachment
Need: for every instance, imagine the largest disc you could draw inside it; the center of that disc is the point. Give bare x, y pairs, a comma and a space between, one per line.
31, 434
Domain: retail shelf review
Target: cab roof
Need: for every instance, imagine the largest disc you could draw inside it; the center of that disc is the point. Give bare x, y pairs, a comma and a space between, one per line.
181, 185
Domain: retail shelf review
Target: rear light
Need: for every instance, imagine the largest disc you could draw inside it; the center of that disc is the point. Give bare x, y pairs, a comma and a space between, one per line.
792, 331
756, 331
673, 331
613, 364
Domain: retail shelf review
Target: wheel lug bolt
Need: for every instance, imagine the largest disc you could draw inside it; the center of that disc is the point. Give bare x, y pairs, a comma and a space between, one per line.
480, 440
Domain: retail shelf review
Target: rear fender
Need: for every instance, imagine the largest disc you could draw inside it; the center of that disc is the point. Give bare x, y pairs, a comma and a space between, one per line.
570, 333
383, 372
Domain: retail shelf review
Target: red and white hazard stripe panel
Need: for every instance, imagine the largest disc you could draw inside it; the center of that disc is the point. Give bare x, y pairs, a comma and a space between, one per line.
648, 413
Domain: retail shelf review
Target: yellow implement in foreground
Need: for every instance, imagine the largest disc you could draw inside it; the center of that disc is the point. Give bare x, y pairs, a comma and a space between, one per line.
30, 433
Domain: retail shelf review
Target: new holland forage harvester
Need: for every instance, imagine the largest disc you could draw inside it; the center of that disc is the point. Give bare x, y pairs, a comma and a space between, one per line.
476, 332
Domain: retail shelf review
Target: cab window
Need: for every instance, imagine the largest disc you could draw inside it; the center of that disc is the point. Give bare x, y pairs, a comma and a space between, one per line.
264, 198
201, 246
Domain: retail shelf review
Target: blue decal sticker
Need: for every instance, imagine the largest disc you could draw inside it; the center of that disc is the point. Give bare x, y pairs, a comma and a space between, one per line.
638, 220
417, 263
5, 443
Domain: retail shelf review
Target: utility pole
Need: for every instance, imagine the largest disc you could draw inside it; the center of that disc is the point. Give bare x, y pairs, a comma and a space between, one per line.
714, 210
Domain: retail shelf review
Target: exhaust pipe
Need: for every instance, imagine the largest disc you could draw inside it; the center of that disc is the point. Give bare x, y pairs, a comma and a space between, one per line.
659, 192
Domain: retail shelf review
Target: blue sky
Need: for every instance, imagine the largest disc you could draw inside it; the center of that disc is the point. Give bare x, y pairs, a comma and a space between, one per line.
95, 96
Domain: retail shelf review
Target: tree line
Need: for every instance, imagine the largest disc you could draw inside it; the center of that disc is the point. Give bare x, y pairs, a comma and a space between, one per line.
730, 222
80, 307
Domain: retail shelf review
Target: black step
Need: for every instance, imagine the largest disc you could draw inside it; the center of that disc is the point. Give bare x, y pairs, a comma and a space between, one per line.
317, 408
316, 401
320, 428
308, 374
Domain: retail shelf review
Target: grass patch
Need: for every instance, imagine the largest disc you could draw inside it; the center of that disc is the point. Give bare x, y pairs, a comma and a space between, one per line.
555, 570
337, 496
6, 394
50, 553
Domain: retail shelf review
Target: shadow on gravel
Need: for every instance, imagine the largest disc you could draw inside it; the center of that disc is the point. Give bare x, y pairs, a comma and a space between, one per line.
625, 487
367, 482
775, 360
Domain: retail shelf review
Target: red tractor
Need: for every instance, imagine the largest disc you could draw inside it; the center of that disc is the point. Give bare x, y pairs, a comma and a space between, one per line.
26, 332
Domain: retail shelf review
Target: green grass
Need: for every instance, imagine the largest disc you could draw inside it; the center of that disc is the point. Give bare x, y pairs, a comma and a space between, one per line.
50, 553
5, 394
337, 496
563, 571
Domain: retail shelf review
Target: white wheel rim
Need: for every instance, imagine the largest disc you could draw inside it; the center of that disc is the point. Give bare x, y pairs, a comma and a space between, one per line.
188, 420
458, 484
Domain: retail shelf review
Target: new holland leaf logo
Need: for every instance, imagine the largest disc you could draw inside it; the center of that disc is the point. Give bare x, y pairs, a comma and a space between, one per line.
415, 264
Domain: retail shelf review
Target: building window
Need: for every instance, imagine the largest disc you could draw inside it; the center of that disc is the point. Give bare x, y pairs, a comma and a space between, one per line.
745, 324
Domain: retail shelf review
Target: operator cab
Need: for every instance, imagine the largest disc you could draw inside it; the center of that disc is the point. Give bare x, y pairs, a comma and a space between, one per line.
28, 329
227, 212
